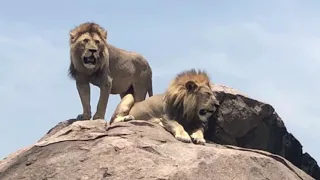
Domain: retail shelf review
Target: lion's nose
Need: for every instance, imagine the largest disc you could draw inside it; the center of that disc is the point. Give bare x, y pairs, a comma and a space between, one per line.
93, 50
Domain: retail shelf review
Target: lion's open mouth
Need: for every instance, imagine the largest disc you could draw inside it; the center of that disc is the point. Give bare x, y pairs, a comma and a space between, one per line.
90, 60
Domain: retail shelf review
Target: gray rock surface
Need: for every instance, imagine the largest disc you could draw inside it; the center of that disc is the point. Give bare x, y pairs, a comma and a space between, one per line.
79, 150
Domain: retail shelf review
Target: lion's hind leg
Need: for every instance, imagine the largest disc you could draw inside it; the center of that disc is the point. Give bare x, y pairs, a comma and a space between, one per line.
139, 91
122, 110
176, 129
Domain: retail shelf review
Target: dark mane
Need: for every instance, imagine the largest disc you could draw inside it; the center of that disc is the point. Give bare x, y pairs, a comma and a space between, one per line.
72, 72
89, 27
192, 73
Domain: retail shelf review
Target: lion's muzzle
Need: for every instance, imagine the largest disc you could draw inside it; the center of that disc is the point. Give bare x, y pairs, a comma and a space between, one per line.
90, 57
90, 60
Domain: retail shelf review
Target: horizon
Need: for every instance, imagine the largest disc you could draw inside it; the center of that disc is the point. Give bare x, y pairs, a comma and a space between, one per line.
267, 50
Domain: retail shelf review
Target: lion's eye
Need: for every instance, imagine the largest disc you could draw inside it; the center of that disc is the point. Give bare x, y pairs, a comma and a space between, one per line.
202, 112
97, 41
86, 40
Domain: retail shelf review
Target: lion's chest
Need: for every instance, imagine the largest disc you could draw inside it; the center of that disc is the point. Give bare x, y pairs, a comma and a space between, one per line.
96, 81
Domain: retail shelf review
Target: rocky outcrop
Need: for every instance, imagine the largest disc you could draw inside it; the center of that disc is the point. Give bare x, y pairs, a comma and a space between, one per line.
253, 143
248, 123
79, 150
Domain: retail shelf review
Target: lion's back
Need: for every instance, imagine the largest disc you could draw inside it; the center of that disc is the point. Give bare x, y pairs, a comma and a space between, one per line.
151, 107
124, 63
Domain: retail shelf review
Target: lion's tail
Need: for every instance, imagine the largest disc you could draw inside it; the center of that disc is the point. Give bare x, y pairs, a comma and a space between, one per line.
150, 89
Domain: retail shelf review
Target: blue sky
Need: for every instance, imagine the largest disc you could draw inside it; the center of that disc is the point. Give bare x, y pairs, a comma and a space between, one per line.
266, 49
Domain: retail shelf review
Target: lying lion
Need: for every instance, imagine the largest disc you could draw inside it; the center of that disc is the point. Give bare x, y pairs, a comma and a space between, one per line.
113, 70
183, 110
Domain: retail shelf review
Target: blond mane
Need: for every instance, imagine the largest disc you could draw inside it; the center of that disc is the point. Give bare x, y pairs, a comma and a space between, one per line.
179, 101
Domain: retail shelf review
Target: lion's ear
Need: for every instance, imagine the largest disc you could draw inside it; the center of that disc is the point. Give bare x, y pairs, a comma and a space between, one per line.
104, 35
72, 36
191, 86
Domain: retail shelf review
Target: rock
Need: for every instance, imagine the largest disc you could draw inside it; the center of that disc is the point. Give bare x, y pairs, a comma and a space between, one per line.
254, 144
248, 123
79, 150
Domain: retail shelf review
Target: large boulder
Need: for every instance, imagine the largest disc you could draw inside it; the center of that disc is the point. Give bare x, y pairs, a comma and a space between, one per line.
245, 122
253, 144
79, 150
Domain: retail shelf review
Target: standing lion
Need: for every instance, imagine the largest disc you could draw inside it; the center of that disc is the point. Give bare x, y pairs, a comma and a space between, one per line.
113, 70
184, 109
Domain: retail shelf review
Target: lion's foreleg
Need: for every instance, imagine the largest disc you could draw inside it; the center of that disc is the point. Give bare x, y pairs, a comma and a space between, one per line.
105, 89
198, 137
122, 110
83, 88
176, 129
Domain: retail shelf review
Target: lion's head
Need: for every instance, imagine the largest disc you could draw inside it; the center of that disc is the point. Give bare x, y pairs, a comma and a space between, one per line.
190, 98
88, 46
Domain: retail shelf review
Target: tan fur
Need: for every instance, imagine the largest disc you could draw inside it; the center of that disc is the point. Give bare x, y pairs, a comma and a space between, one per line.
178, 110
113, 70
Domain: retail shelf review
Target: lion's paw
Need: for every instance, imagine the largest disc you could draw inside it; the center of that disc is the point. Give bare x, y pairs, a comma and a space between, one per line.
183, 137
128, 118
123, 118
198, 139
83, 117
96, 116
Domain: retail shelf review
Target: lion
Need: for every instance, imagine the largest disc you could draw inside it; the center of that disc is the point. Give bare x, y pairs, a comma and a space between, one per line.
183, 110
113, 70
